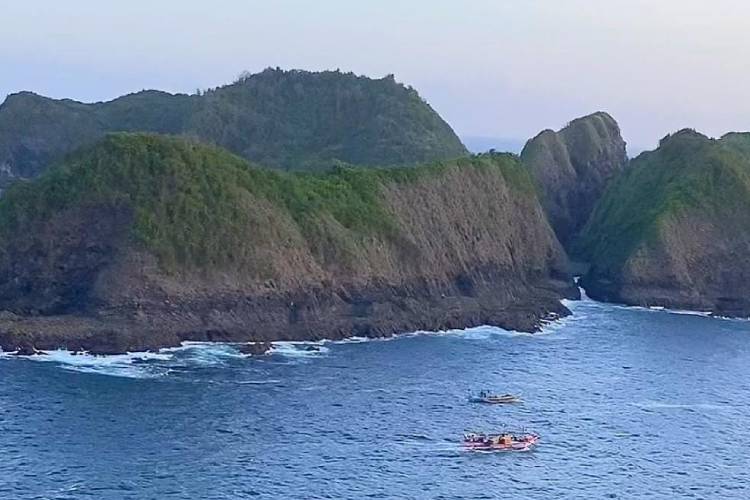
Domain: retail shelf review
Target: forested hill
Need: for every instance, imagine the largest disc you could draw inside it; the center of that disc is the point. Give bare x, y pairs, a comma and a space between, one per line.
294, 120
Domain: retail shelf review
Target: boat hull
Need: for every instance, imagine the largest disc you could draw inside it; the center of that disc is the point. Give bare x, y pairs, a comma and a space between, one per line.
528, 443
495, 401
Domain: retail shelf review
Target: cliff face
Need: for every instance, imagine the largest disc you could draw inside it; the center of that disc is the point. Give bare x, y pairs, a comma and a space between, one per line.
285, 119
145, 241
674, 230
573, 167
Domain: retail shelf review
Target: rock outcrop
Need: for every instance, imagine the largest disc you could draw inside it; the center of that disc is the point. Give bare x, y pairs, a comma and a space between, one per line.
293, 120
674, 229
144, 241
573, 167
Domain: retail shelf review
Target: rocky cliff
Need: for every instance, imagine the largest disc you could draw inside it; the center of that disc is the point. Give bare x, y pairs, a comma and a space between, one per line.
674, 229
143, 241
572, 168
283, 119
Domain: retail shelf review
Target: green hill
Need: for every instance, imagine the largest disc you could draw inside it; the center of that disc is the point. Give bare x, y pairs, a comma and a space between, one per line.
293, 120
192, 242
674, 228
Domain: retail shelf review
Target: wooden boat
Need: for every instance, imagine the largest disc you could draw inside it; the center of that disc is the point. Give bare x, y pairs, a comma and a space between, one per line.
504, 441
494, 399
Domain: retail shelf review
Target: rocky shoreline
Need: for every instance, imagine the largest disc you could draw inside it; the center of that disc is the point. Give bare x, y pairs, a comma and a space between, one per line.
668, 296
257, 321
234, 253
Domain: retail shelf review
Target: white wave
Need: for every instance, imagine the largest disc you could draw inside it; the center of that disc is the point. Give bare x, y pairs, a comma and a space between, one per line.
586, 303
360, 340
195, 353
662, 309
204, 354
586, 299
493, 331
732, 318
187, 345
86, 359
124, 371
294, 349
483, 332
487, 332
130, 365
475, 333
259, 382
705, 314
685, 312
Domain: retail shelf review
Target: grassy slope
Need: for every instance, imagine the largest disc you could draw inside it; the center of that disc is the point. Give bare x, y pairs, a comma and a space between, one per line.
191, 201
687, 172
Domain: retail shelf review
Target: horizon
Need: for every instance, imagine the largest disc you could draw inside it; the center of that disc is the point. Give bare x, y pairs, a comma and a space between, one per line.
498, 71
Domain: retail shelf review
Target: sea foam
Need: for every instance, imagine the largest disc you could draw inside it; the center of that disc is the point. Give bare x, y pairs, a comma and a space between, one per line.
129, 365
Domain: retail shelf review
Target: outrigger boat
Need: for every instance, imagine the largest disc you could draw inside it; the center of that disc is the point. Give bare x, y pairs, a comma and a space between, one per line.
493, 399
505, 441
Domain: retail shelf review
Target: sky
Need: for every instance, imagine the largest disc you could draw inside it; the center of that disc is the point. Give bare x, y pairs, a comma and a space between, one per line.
491, 68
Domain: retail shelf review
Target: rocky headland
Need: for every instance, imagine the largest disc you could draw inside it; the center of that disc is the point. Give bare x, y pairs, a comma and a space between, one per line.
573, 167
674, 228
144, 241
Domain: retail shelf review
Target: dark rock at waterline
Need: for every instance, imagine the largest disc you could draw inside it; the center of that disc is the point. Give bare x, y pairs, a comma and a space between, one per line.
26, 348
255, 348
25, 351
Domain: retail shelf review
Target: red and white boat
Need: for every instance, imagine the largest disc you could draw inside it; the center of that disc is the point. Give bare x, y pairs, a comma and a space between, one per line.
504, 441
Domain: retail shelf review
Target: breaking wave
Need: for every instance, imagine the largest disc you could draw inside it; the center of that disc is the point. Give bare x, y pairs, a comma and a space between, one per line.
299, 351
660, 309
192, 355
130, 365
204, 354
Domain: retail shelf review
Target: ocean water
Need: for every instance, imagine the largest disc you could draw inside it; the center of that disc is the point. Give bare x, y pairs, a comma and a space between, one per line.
630, 403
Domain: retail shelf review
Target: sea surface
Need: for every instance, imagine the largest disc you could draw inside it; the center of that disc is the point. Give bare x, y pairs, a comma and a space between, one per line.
630, 403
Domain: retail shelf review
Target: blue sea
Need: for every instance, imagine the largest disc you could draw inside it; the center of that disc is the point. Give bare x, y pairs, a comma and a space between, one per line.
629, 403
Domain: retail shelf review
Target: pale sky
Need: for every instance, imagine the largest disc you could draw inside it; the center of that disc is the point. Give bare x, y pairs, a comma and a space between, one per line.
503, 68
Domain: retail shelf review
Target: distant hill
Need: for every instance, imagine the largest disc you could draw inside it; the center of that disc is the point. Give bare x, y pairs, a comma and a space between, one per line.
293, 120
573, 167
142, 241
674, 228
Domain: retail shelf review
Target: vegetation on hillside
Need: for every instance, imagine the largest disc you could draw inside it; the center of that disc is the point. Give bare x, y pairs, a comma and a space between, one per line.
298, 119
687, 172
284, 119
194, 205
